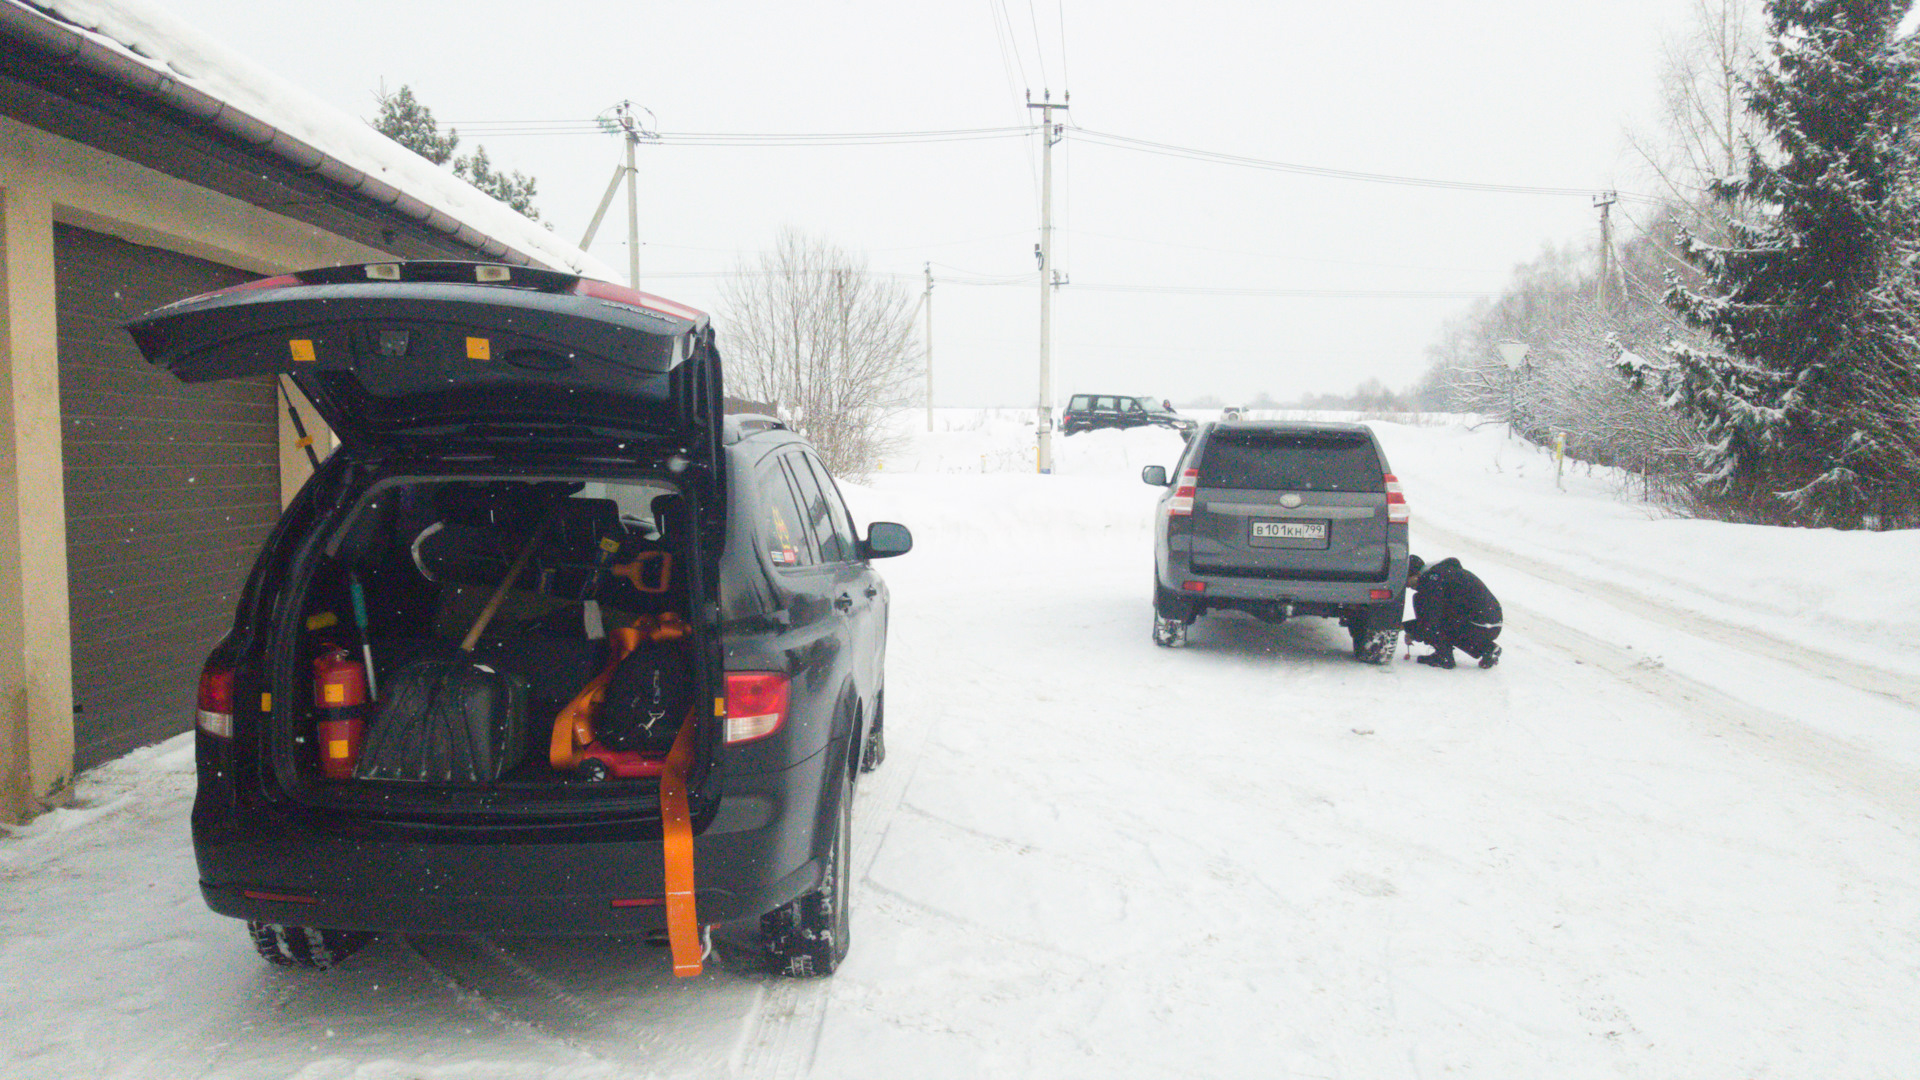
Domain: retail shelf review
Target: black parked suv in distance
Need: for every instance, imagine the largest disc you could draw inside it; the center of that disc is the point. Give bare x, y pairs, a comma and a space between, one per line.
1279, 519
1086, 412
675, 634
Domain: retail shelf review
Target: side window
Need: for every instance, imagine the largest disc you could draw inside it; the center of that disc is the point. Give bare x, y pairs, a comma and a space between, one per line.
1106, 404
1133, 405
819, 519
836, 508
783, 529
1080, 403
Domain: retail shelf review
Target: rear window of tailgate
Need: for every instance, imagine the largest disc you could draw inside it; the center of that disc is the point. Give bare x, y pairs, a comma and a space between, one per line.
1291, 461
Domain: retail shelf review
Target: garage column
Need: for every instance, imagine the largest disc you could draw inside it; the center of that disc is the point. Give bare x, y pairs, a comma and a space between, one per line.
36, 663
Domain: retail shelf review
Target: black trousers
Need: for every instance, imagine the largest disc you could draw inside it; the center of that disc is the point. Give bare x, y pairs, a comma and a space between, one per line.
1470, 638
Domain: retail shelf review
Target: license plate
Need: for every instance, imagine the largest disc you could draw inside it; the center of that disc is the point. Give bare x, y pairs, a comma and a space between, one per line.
1289, 530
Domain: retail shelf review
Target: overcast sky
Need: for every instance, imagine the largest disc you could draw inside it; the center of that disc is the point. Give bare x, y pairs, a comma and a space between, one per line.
1179, 268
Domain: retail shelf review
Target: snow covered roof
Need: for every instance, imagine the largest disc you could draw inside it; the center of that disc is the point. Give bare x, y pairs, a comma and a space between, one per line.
143, 49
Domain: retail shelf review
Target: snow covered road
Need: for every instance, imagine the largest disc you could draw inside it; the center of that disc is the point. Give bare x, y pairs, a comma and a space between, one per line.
1673, 834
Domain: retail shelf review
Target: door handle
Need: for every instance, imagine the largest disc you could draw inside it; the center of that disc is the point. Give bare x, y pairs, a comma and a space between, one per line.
844, 602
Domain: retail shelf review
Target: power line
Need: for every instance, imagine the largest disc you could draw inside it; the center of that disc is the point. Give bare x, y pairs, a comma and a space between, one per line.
1039, 47
1066, 80
509, 128
1027, 281
502, 128
1274, 255
1124, 142
1303, 294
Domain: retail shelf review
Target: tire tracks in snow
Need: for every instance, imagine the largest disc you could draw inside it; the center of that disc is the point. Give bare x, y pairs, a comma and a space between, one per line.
781, 1036
1891, 685
1774, 734
471, 969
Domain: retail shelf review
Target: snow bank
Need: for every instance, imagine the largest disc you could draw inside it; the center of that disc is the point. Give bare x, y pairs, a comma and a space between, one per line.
1852, 592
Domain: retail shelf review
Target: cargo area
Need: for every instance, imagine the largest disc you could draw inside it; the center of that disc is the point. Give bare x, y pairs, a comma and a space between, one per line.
479, 643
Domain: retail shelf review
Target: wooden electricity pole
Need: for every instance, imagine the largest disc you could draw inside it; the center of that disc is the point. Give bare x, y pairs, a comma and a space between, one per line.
1049, 134
1605, 201
625, 123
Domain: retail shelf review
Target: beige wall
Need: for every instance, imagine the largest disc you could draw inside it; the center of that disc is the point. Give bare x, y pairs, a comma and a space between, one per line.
36, 729
45, 179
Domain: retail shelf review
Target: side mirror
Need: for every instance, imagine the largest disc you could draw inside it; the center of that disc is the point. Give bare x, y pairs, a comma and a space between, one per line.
1155, 475
886, 539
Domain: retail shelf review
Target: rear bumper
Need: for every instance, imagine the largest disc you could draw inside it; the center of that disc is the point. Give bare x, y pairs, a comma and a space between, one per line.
1176, 570
271, 865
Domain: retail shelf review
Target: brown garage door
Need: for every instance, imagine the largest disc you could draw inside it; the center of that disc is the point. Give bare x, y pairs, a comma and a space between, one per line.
170, 490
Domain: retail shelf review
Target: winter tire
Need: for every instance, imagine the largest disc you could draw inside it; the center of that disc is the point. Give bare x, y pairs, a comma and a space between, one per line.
305, 946
806, 938
874, 751
1376, 633
1169, 633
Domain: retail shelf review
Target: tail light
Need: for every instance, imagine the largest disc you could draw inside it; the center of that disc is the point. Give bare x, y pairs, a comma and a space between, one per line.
216, 701
1397, 512
756, 704
1181, 505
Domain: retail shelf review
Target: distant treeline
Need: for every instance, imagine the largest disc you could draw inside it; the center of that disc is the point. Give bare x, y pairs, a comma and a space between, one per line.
1370, 396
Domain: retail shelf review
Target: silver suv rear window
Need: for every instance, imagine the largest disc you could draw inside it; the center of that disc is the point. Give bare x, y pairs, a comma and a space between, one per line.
1291, 461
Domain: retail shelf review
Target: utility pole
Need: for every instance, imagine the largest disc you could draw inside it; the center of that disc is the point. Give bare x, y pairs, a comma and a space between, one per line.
625, 123
633, 205
1605, 201
1049, 134
928, 301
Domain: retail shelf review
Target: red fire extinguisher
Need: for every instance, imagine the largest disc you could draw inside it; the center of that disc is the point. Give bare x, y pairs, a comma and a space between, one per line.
340, 691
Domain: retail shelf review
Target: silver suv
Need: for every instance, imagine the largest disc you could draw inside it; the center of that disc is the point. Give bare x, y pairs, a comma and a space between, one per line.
1279, 519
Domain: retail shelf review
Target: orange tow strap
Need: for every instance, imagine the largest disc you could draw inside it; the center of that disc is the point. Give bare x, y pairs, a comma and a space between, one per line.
676, 827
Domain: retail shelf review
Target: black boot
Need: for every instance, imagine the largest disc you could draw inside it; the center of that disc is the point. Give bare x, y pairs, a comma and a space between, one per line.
1439, 660
1490, 657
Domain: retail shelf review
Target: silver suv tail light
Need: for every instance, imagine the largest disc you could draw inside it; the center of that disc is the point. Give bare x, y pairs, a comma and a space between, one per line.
1181, 505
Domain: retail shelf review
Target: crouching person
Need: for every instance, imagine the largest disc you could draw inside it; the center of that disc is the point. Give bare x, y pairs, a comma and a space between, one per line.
1452, 609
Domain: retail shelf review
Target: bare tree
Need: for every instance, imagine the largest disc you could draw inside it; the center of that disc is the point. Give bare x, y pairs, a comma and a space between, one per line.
807, 328
1705, 132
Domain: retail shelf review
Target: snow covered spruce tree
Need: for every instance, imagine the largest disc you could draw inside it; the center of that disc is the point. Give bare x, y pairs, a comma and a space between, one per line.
1807, 392
808, 329
411, 124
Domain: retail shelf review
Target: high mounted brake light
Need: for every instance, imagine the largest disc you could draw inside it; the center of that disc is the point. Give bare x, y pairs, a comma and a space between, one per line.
1397, 512
620, 294
1181, 505
756, 704
280, 282
216, 701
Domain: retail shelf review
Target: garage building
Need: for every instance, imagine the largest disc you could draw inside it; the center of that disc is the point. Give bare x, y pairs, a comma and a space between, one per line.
131, 505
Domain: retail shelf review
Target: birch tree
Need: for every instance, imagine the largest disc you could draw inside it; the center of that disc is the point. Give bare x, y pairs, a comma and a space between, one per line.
808, 328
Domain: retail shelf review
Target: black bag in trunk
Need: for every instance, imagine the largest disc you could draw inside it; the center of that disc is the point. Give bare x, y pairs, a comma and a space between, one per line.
647, 699
447, 721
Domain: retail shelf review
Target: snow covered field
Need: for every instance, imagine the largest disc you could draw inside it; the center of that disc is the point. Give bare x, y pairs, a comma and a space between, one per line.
1675, 834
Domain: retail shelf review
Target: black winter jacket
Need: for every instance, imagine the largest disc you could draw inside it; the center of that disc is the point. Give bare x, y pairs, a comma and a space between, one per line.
1449, 592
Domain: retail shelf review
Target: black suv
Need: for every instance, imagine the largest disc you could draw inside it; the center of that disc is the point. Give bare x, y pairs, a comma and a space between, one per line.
550, 645
1277, 520
1086, 412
